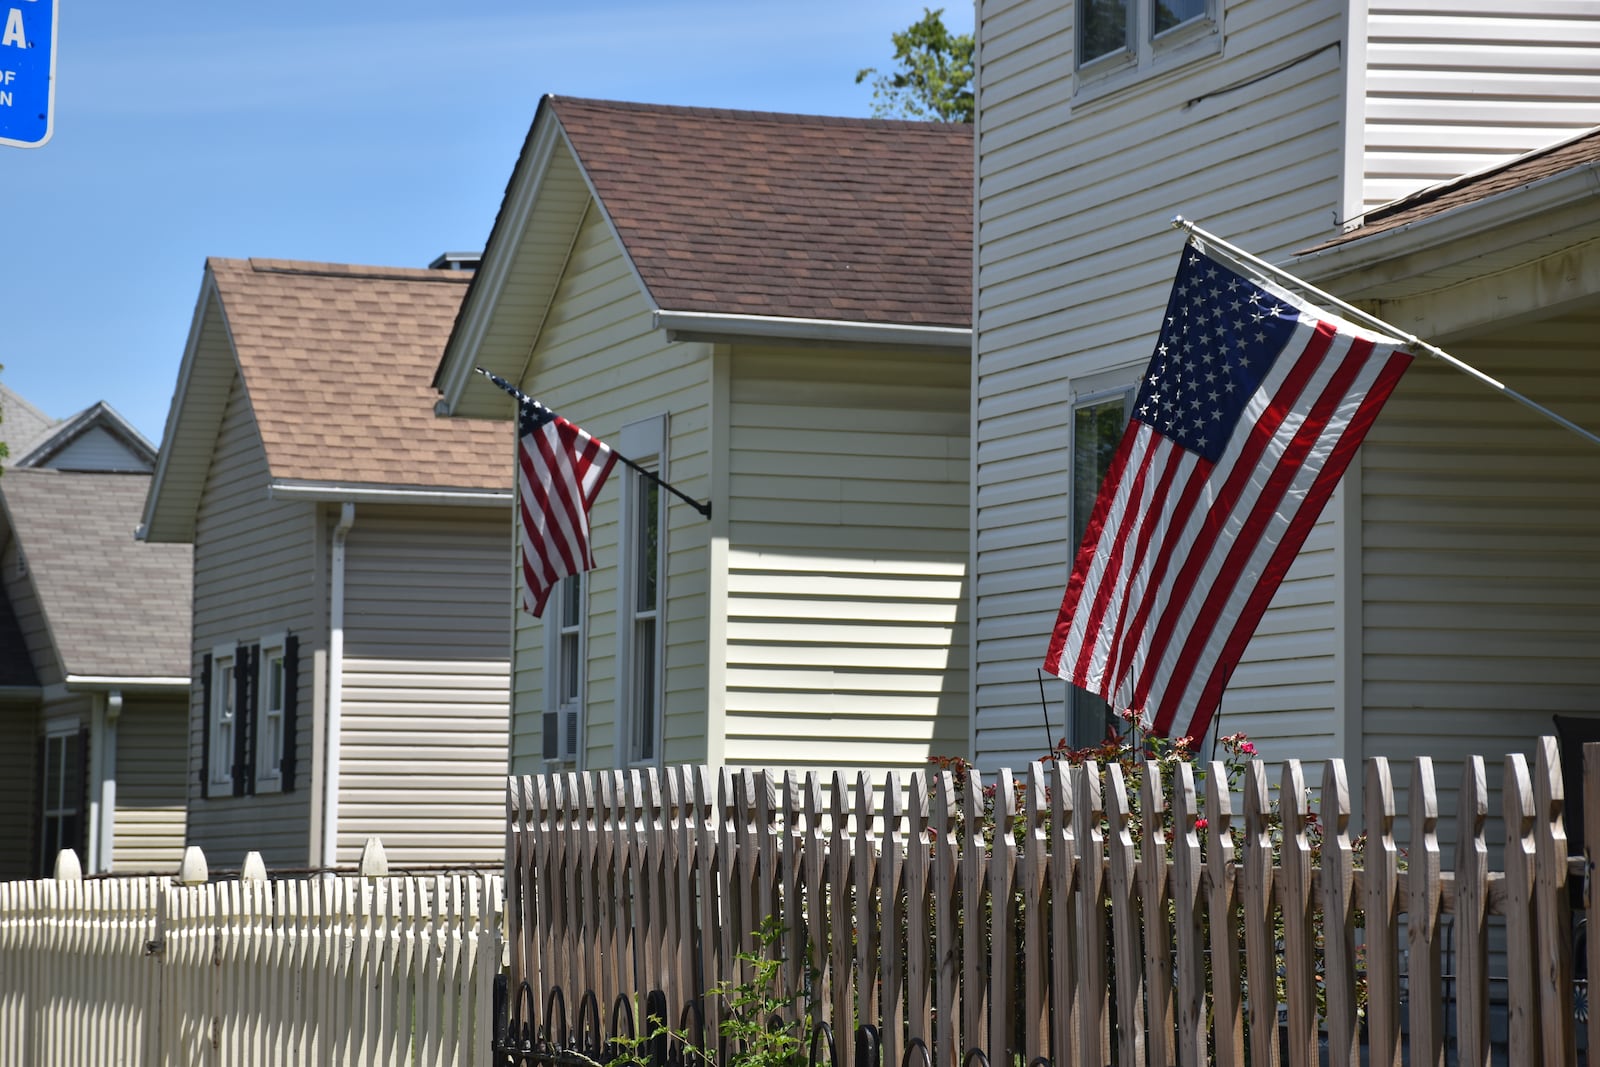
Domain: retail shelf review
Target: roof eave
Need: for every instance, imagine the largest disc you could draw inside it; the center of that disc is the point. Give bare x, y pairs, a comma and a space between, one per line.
1469, 221
368, 493
719, 327
147, 683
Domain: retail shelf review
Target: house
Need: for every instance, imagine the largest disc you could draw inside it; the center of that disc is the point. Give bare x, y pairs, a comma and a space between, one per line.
349, 645
1448, 601
772, 312
93, 662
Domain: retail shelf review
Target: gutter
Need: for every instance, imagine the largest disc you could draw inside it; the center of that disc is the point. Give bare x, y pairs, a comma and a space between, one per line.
111, 683
711, 326
334, 493
1567, 187
330, 777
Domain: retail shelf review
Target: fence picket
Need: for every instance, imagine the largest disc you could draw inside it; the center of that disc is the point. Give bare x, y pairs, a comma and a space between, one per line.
1003, 946
841, 948
866, 918
1299, 962
1339, 918
1589, 798
1156, 896
1188, 915
1222, 911
1126, 914
892, 918
974, 996
947, 950
1522, 1005
1472, 917
919, 931
1063, 874
1035, 886
1379, 875
1552, 908
1423, 901
1094, 991
1256, 890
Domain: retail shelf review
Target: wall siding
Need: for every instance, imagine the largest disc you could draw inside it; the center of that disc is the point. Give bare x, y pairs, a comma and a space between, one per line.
254, 575
847, 597
1454, 86
1480, 571
150, 817
98, 450
599, 363
1074, 260
425, 696
19, 787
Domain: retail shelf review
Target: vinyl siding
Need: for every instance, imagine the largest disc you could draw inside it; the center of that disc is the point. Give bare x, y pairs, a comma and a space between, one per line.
149, 826
19, 787
847, 559
1074, 260
424, 718
1454, 86
98, 450
1480, 572
254, 575
599, 363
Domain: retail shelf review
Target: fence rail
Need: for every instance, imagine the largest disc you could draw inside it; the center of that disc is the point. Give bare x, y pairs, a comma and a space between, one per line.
347, 970
1089, 923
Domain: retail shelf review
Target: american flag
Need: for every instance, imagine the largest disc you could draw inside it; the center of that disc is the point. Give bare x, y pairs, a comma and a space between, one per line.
1250, 410
560, 470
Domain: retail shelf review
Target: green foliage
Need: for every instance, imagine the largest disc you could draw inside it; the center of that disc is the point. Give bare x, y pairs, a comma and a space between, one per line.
934, 78
4, 451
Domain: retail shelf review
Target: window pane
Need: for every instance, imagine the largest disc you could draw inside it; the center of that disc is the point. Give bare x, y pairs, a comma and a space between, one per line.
1102, 28
1096, 431
1170, 13
644, 688
275, 681
649, 543
571, 600
71, 775
568, 686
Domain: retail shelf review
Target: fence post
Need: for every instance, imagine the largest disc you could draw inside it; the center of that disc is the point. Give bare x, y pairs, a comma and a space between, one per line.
253, 869
374, 861
67, 869
193, 869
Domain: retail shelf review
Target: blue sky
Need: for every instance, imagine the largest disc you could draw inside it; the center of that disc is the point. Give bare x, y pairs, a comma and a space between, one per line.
358, 131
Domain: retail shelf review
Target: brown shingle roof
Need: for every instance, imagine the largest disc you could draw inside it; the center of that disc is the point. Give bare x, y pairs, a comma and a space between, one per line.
740, 212
1438, 199
337, 361
116, 607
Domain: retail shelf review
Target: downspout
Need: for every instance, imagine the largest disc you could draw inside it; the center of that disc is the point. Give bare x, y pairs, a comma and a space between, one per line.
330, 776
92, 788
108, 780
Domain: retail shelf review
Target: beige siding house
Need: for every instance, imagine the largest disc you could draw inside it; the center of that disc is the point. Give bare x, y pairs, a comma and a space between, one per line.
350, 634
1449, 599
93, 661
772, 312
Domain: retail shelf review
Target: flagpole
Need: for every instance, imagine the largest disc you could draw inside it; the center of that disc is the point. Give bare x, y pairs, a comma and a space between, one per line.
1410, 339
703, 508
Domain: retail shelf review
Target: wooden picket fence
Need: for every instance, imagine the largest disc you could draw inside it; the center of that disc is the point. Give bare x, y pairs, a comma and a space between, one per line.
329, 970
1075, 932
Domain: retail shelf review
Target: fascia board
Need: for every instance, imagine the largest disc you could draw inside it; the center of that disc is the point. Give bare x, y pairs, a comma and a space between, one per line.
180, 395
336, 493
714, 327
499, 253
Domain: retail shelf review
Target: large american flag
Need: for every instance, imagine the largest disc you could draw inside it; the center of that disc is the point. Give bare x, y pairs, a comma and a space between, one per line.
560, 470
1249, 412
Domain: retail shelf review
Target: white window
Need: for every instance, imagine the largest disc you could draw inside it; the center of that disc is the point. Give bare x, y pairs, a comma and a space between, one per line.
640, 589
1099, 417
272, 697
222, 690
1123, 40
564, 667
61, 800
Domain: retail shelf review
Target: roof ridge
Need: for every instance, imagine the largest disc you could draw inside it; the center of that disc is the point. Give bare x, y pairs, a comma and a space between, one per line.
259, 265
785, 117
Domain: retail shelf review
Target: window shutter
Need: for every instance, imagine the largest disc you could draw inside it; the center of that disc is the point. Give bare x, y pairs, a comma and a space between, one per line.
205, 725
241, 694
252, 704
291, 702
552, 735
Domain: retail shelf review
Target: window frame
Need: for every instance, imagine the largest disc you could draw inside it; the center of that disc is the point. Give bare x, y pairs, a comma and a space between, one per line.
269, 772
221, 697
1149, 52
640, 678
1121, 384
67, 733
559, 630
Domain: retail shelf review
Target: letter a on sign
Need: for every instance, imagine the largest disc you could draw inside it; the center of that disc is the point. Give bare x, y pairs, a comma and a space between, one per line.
27, 71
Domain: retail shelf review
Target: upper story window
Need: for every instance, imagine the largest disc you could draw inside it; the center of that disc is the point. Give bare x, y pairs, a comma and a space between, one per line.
564, 666
641, 582
1122, 40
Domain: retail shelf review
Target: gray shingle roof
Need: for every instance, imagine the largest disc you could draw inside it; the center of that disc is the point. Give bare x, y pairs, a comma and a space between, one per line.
115, 607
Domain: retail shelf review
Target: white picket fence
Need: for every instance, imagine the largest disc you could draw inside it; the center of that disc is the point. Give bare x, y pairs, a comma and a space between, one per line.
149, 971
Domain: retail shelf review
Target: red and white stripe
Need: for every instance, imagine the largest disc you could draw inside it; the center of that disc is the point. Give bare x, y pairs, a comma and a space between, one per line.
560, 472
1182, 556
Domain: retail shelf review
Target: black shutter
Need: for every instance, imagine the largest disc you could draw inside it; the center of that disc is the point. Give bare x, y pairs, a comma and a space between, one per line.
241, 696
291, 704
205, 724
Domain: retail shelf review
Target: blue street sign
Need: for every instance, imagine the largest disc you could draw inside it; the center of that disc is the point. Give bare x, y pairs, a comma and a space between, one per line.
27, 71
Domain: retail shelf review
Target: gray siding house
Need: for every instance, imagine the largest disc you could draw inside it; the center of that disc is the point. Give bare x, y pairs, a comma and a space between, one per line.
351, 623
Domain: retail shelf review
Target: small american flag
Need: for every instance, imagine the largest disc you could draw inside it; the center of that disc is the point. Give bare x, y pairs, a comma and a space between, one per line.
1247, 416
560, 470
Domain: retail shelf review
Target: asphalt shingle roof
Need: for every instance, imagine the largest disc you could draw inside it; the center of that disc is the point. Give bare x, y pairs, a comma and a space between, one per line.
337, 361
742, 212
116, 607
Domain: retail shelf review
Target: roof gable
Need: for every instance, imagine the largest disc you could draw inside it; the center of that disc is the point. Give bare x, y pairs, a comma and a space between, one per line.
789, 222
335, 363
96, 439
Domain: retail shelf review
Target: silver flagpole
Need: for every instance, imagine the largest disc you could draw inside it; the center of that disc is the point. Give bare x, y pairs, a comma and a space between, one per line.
1411, 340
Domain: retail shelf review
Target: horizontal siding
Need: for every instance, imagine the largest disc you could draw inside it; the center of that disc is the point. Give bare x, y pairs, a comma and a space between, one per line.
847, 597
150, 820
255, 574
1480, 569
1455, 87
19, 787
99, 450
598, 361
1074, 260
423, 760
